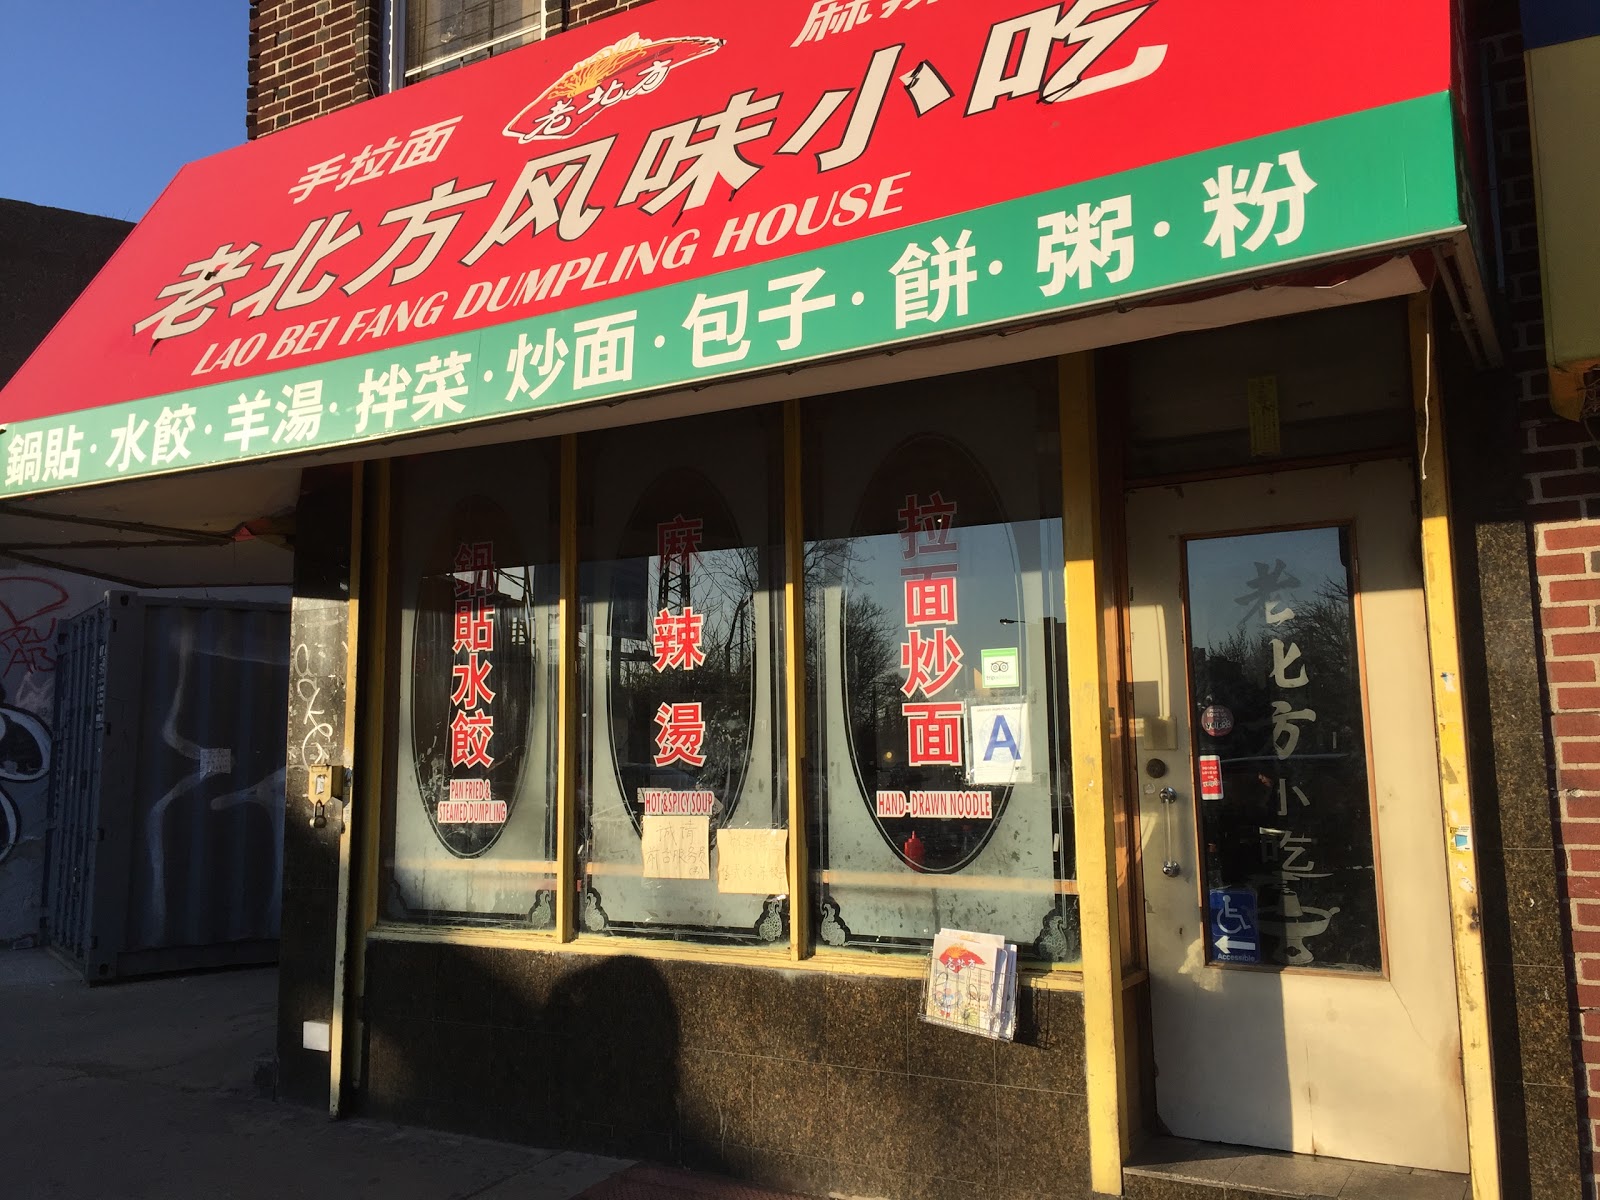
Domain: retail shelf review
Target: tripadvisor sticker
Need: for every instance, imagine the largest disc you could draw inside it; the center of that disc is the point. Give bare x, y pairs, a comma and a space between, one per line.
1000, 668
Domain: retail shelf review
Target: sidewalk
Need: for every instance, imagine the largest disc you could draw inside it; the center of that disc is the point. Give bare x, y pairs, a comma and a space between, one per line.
143, 1091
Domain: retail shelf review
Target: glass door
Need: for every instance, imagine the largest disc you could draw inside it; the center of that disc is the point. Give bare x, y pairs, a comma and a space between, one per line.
1297, 921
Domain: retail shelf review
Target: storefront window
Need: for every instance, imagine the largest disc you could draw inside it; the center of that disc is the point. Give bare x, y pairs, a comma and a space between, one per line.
683, 811
472, 742
940, 793
441, 35
1285, 803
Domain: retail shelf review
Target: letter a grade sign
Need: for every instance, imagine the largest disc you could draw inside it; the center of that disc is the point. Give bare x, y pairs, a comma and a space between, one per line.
999, 751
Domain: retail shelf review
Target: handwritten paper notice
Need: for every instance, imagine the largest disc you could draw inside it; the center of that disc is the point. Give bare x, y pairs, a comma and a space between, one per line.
676, 847
753, 862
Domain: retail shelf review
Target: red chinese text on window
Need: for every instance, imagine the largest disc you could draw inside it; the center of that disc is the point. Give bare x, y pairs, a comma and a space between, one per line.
474, 626
925, 526
935, 733
681, 734
469, 739
930, 656
678, 542
471, 680
675, 640
930, 594
471, 727
474, 569
930, 662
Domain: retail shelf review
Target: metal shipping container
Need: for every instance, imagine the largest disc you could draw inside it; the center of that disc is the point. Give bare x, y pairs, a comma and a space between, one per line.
167, 798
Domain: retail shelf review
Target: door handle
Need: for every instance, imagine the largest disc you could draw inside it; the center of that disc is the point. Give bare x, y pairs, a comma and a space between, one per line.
1169, 799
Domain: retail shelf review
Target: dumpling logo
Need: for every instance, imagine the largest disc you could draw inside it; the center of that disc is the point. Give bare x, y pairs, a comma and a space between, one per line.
635, 66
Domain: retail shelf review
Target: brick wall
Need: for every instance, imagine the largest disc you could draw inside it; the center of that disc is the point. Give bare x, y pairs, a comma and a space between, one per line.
584, 11
1560, 466
310, 57
1568, 564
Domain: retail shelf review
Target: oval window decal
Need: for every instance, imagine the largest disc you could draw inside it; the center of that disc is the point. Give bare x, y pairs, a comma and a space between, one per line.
933, 581
472, 677
681, 683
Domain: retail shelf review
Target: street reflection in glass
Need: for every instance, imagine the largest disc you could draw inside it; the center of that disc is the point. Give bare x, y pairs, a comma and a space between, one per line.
1280, 742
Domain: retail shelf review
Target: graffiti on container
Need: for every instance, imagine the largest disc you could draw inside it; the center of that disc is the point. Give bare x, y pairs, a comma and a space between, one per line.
27, 626
24, 758
209, 762
30, 609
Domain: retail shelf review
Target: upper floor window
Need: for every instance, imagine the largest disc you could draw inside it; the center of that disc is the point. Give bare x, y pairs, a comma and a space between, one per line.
428, 37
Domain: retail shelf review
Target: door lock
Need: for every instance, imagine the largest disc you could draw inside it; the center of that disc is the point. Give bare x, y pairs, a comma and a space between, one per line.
322, 789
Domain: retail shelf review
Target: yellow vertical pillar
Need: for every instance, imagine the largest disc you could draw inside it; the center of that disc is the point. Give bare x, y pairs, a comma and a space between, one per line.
346, 764
1094, 821
794, 616
567, 700
366, 810
1444, 646
374, 685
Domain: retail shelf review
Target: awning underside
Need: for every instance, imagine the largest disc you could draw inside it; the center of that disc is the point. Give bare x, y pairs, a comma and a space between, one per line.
212, 529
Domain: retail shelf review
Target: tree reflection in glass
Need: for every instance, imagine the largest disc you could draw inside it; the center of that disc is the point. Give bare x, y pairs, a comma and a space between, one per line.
1276, 697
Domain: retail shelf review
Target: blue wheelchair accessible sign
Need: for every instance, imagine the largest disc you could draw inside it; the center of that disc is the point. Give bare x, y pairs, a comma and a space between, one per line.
1233, 926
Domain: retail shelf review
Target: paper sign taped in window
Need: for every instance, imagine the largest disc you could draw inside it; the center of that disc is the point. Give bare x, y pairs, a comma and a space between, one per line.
753, 862
676, 847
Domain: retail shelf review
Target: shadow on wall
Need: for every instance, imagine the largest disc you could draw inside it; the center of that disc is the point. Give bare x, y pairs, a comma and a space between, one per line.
508, 1045
631, 1076
806, 1081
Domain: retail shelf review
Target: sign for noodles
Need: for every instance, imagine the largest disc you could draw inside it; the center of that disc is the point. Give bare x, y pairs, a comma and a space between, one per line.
689, 191
472, 677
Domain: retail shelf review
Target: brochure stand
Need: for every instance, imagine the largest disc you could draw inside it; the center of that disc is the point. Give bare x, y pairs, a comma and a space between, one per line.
971, 984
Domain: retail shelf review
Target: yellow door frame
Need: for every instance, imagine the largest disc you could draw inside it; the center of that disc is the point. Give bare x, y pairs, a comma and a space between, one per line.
1094, 761
1444, 648
346, 766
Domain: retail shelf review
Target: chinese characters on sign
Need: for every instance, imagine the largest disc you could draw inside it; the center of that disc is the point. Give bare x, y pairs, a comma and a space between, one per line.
678, 167
1291, 712
930, 656
1089, 245
675, 847
471, 799
926, 283
675, 642
744, 189
44, 456
1232, 192
424, 146
932, 660
1078, 246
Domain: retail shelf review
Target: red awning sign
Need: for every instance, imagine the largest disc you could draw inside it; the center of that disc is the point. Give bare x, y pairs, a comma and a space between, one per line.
692, 172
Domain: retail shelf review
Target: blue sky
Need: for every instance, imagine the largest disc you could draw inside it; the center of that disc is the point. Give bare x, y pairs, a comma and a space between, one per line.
101, 101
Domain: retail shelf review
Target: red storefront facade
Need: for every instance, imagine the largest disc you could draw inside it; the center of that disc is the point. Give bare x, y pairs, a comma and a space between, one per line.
773, 488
